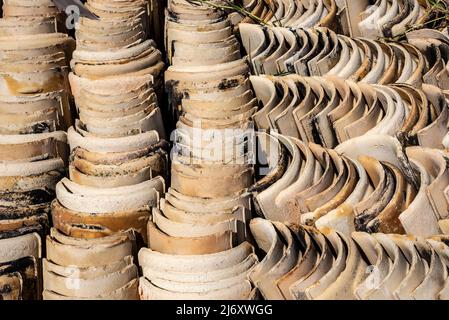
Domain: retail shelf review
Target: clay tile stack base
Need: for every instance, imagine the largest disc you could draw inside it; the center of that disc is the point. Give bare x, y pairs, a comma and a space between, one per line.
34, 113
83, 269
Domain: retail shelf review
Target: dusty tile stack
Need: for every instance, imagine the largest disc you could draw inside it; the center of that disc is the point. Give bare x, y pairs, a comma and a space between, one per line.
329, 110
321, 52
34, 111
302, 263
392, 18
197, 240
423, 208
292, 14
29, 9
434, 45
79, 268
31, 17
367, 18
369, 184
363, 148
118, 160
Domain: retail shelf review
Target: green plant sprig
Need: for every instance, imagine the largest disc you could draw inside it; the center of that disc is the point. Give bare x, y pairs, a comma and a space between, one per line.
229, 6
